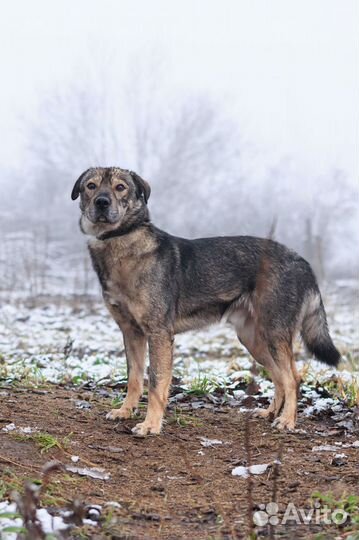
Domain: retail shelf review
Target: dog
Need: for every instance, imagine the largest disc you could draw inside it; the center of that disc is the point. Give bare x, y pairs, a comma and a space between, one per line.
156, 285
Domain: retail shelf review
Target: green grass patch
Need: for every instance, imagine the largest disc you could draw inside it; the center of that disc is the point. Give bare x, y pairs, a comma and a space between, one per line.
44, 441
346, 503
203, 385
52, 495
183, 420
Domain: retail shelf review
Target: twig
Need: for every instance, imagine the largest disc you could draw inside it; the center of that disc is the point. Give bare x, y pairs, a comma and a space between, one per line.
249, 481
7, 460
277, 464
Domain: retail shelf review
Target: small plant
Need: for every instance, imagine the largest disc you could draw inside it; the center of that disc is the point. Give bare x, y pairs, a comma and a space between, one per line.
8, 482
99, 361
183, 420
201, 386
117, 401
79, 379
346, 503
346, 390
263, 372
45, 441
351, 393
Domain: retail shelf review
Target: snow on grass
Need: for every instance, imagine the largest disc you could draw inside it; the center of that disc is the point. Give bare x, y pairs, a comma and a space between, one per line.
72, 343
11, 523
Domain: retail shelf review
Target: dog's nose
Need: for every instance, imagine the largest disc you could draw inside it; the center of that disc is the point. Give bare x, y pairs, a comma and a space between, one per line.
102, 202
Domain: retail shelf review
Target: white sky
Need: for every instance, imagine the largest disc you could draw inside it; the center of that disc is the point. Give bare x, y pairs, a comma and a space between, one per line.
288, 70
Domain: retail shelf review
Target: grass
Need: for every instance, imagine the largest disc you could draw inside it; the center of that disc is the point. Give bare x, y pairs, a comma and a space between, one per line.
337, 386
262, 372
345, 390
203, 385
346, 503
53, 495
101, 361
9, 482
351, 392
45, 441
183, 420
117, 401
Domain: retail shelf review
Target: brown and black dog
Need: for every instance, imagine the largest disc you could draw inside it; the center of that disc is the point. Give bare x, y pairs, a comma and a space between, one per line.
156, 285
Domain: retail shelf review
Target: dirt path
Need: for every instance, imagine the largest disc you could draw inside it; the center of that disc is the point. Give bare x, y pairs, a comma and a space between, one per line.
171, 486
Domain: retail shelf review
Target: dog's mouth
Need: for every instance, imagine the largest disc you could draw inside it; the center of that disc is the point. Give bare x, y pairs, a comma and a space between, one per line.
109, 218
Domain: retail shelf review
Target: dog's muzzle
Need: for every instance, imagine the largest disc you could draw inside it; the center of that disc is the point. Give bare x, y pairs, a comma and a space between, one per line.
102, 204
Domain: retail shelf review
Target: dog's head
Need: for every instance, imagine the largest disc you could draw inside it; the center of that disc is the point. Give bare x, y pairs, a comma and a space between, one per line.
111, 198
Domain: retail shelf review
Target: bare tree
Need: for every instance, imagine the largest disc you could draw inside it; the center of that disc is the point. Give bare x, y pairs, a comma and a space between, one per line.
189, 151
184, 146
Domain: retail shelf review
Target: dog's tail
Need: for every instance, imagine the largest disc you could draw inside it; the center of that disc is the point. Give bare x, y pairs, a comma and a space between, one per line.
315, 332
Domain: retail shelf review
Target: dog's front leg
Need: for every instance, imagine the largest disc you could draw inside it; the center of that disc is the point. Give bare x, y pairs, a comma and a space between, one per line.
160, 375
135, 347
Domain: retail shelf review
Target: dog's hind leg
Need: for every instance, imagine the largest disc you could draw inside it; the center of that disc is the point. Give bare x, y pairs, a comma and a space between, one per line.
249, 335
296, 375
276, 404
135, 346
263, 356
291, 381
160, 376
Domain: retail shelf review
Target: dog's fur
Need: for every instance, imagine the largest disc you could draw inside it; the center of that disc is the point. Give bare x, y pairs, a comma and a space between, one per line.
156, 285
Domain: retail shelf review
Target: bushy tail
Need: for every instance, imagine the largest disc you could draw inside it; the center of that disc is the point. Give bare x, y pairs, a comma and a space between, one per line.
315, 332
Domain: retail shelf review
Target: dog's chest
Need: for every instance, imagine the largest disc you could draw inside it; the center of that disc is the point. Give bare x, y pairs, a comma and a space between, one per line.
116, 293
125, 302
119, 278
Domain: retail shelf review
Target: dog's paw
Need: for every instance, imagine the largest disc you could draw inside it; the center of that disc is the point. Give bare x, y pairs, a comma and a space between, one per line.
145, 428
119, 414
284, 423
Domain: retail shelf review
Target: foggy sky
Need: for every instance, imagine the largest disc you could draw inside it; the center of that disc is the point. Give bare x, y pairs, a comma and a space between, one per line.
287, 71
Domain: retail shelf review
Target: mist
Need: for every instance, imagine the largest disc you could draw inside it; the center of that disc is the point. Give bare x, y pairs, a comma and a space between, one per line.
237, 131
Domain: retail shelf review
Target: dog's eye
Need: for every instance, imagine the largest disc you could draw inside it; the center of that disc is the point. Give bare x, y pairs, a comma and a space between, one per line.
91, 185
120, 187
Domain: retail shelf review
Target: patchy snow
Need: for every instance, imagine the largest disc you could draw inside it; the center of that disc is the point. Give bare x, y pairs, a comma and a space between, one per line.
8, 511
71, 341
325, 448
9, 427
75, 341
208, 443
114, 504
22, 430
253, 469
49, 523
94, 472
320, 404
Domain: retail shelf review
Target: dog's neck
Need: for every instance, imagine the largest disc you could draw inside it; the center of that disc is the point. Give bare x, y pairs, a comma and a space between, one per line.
132, 244
122, 230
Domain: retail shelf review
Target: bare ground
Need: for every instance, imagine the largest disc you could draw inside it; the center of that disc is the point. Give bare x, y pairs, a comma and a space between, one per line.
171, 486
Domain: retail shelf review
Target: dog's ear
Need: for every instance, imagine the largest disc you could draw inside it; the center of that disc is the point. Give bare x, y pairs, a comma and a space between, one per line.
142, 187
76, 189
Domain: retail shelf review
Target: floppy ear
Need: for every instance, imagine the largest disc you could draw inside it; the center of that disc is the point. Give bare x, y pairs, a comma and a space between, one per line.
142, 187
76, 189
